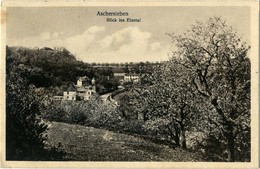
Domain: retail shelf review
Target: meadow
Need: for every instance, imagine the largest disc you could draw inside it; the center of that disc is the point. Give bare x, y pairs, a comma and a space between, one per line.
81, 143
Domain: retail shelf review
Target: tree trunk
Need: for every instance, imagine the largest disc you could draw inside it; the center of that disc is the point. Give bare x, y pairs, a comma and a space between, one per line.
183, 137
229, 133
177, 141
182, 127
145, 115
177, 135
231, 142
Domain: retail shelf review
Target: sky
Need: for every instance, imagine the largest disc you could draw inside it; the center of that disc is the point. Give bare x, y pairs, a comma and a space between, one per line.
91, 39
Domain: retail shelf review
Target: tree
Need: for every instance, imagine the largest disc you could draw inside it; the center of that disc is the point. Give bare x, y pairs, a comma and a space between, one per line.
24, 130
183, 101
127, 107
220, 72
168, 103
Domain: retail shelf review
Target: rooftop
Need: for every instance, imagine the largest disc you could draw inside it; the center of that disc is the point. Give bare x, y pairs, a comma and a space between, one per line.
72, 88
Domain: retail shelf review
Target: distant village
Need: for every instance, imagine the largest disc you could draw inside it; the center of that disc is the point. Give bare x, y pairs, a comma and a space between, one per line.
85, 89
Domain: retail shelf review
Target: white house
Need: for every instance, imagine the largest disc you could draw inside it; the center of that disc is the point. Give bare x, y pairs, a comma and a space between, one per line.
70, 93
124, 77
131, 78
84, 90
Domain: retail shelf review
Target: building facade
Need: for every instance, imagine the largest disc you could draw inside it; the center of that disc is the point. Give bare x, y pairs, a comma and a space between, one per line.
85, 89
131, 78
124, 77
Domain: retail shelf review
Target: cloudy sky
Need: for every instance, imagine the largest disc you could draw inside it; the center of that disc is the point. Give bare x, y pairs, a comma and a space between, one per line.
91, 39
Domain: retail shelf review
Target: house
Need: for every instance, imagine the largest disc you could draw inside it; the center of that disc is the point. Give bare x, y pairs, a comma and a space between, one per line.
131, 78
57, 97
124, 77
71, 93
83, 90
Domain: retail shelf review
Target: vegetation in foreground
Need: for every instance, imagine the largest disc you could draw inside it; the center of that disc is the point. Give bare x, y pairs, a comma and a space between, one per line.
82, 143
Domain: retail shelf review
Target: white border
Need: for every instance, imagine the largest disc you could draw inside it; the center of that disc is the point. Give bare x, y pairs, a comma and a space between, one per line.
254, 6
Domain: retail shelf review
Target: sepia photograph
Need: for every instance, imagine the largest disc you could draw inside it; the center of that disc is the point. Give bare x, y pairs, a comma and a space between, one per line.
130, 83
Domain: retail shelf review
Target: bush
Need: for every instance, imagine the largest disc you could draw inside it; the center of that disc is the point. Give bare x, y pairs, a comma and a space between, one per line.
24, 132
92, 113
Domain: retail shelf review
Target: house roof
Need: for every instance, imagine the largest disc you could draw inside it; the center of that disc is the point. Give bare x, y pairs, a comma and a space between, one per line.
71, 88
85, 78
134, 74
119, 74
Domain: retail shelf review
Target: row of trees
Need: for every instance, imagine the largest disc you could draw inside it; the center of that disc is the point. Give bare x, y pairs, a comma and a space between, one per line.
204, 90
131, 67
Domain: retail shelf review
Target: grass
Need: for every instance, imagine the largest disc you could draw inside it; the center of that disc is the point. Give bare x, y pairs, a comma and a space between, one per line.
82, 143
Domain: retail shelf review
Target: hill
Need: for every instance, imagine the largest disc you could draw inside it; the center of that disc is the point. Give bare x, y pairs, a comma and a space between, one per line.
90, 144
51, 68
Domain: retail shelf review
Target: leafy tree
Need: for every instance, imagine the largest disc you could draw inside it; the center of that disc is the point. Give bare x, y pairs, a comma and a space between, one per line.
92, 113
168, 104
127, 107
220, 68
24, 130
183, 101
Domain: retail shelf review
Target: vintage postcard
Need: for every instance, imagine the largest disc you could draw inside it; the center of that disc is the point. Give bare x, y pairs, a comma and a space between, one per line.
140, 84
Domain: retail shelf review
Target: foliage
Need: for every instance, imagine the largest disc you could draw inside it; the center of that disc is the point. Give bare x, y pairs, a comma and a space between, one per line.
127, 107
220, 68
168, 104
92, 112
56, 68
25, 129
204, 88
24, 139
48, 67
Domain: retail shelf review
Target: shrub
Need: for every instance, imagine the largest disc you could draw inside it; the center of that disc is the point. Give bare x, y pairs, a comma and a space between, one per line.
24, 132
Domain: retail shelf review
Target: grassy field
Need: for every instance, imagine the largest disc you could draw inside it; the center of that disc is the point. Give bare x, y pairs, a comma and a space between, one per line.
90, 144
